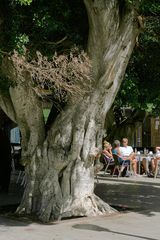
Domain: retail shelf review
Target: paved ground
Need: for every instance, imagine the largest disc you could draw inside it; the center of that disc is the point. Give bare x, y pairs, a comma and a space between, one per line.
129, 226
141, 195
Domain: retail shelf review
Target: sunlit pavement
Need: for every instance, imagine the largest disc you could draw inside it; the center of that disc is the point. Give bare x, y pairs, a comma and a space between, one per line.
140, 196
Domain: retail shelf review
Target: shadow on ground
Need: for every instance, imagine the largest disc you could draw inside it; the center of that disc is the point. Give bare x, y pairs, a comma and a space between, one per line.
140, 196
92, 227
123, 194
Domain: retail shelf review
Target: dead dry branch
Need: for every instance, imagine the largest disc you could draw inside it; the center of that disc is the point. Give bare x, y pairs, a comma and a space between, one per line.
63, 77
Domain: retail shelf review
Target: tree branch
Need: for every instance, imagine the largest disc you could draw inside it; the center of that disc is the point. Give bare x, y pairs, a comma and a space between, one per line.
27, 108
56, 43
7, 106
112, 36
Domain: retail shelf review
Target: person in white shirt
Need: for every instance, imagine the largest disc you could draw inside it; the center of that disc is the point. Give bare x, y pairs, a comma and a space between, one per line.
127, 153
156, 159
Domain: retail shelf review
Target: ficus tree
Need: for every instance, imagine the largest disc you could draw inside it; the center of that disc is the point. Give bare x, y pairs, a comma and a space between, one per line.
142, 76
59, 159
140, 88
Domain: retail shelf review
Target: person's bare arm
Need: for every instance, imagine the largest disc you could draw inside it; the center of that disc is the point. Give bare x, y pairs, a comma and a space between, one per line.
120, 155
132, 156
108, 154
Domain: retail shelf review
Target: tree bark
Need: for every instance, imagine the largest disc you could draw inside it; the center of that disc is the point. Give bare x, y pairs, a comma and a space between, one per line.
60, 177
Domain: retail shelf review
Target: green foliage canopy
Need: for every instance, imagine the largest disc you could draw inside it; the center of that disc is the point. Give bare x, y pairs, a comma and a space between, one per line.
40, 24
141, 86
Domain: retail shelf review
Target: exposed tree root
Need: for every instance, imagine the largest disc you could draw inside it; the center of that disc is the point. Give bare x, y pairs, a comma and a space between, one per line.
86, 206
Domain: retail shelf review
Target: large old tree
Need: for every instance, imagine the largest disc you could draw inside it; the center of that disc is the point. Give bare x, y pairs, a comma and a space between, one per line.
58, 166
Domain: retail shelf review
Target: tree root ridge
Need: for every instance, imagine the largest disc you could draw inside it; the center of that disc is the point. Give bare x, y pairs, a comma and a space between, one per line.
86, 206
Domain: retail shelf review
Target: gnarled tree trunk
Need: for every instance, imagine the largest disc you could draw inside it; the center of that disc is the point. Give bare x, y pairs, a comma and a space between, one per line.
60, 177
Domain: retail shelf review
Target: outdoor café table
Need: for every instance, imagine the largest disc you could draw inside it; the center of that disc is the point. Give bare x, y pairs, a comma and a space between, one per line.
147, 157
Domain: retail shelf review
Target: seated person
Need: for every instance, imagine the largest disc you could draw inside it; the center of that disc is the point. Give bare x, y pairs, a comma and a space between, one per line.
127, 153
150, 166
156, 159
147, 164
107, 156
116, 146
116, 151
107, 150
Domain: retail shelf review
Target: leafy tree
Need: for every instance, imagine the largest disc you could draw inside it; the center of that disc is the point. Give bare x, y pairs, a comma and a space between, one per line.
40, 24
59, 159
140, 88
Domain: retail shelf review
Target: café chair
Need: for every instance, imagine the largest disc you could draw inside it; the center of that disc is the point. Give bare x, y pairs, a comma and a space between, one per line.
119, 166
108, 162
